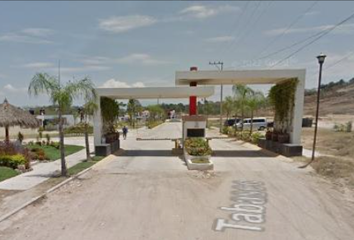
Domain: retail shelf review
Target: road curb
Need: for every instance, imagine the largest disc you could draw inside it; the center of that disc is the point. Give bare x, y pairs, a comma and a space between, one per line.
35, 199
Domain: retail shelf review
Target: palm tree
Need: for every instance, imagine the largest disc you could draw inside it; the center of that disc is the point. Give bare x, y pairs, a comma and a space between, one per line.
133, 107
88, 110
62, 96
255, 102
228, 106
242, 94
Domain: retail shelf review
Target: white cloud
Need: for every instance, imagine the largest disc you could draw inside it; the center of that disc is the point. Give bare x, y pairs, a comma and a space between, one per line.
82, 69
28, 35
138, 84
140, 58
203, 11
37, 65
343, 29
220, 39
38, 32
126, 23
112, 83
12, 89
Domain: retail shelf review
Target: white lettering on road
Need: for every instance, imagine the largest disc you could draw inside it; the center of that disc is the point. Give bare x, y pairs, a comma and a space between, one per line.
248, 210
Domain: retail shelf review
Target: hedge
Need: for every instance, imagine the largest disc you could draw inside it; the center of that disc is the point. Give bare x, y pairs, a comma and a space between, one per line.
12, 161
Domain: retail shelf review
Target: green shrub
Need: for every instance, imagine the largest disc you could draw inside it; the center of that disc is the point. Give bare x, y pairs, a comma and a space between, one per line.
78, 129
20, 137
152, 124
55, 145
197, 147
256, 136
12, 161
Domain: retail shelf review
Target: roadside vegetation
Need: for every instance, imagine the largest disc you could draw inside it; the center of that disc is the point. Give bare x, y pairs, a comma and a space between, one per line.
7, 172
62, 96
51, 152
84, 165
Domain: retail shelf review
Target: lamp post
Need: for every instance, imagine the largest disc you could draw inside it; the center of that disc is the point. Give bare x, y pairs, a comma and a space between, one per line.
321, 59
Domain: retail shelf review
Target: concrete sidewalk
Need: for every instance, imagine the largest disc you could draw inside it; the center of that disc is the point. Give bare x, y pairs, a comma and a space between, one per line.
43, 171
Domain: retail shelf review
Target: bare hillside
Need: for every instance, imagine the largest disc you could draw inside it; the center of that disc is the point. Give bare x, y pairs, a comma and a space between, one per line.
334, 100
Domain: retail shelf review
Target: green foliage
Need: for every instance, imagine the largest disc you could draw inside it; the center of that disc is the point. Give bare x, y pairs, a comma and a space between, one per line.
256, 136
197, 147
347, 127
229, 106
6, 172
52, 152
152, 124
156, 112
133, 108
78, 129
12, 161
20, 137
110, 112
84, 165
282, 98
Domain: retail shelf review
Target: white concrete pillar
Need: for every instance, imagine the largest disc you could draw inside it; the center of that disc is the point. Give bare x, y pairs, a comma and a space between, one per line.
295, 133
97, 123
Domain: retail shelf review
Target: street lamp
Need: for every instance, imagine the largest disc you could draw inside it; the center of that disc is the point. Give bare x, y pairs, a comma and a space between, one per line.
321, 59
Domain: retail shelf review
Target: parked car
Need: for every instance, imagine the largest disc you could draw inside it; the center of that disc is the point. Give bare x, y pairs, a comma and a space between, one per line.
231, 122
258, 124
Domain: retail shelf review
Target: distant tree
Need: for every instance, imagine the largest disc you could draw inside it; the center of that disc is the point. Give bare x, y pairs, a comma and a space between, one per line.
228, 106
88, 110
133, 108
242, 94
255, 101
156, 112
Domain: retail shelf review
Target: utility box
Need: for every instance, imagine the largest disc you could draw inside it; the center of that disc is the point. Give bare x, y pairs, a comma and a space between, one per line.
193, 126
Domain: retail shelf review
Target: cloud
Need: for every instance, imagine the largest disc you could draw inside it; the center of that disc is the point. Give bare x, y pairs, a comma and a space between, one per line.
37, 65
38, 32
112, 83
203, 11
140, 58
28, 35
88, 68
12, 89
220, 39
343, 29
125, 23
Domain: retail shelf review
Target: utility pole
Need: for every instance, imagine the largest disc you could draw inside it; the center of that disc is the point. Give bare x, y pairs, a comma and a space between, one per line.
220, 66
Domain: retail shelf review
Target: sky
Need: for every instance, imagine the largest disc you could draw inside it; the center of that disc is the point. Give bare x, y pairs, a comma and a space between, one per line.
141, 44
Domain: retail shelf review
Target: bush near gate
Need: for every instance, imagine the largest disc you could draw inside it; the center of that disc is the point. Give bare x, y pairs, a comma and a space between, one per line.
197, 147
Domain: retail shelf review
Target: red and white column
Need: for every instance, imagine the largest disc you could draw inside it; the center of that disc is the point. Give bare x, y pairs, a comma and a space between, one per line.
193, 99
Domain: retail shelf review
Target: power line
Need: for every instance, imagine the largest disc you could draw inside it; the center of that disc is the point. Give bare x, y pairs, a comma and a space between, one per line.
255, 8
287, 28
254, 23
314, 40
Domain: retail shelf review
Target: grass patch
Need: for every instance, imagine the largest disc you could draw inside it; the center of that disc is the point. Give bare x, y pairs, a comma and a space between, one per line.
6, 173
200, 160
83, 165
152, 124
53, 153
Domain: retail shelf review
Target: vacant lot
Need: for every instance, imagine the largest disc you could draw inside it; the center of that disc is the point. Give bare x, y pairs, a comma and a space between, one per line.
339, 146
330, 142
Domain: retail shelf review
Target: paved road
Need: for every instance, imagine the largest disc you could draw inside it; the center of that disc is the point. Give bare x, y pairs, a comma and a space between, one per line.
146, 193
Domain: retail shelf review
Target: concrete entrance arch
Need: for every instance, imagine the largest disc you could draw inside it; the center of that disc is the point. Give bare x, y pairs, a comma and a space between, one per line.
144, 93
253, 77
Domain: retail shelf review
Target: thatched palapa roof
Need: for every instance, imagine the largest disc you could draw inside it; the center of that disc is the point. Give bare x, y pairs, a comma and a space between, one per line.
13, 116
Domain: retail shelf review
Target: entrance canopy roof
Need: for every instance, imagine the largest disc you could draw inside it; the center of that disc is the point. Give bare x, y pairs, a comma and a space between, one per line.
238, 76
155, 92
